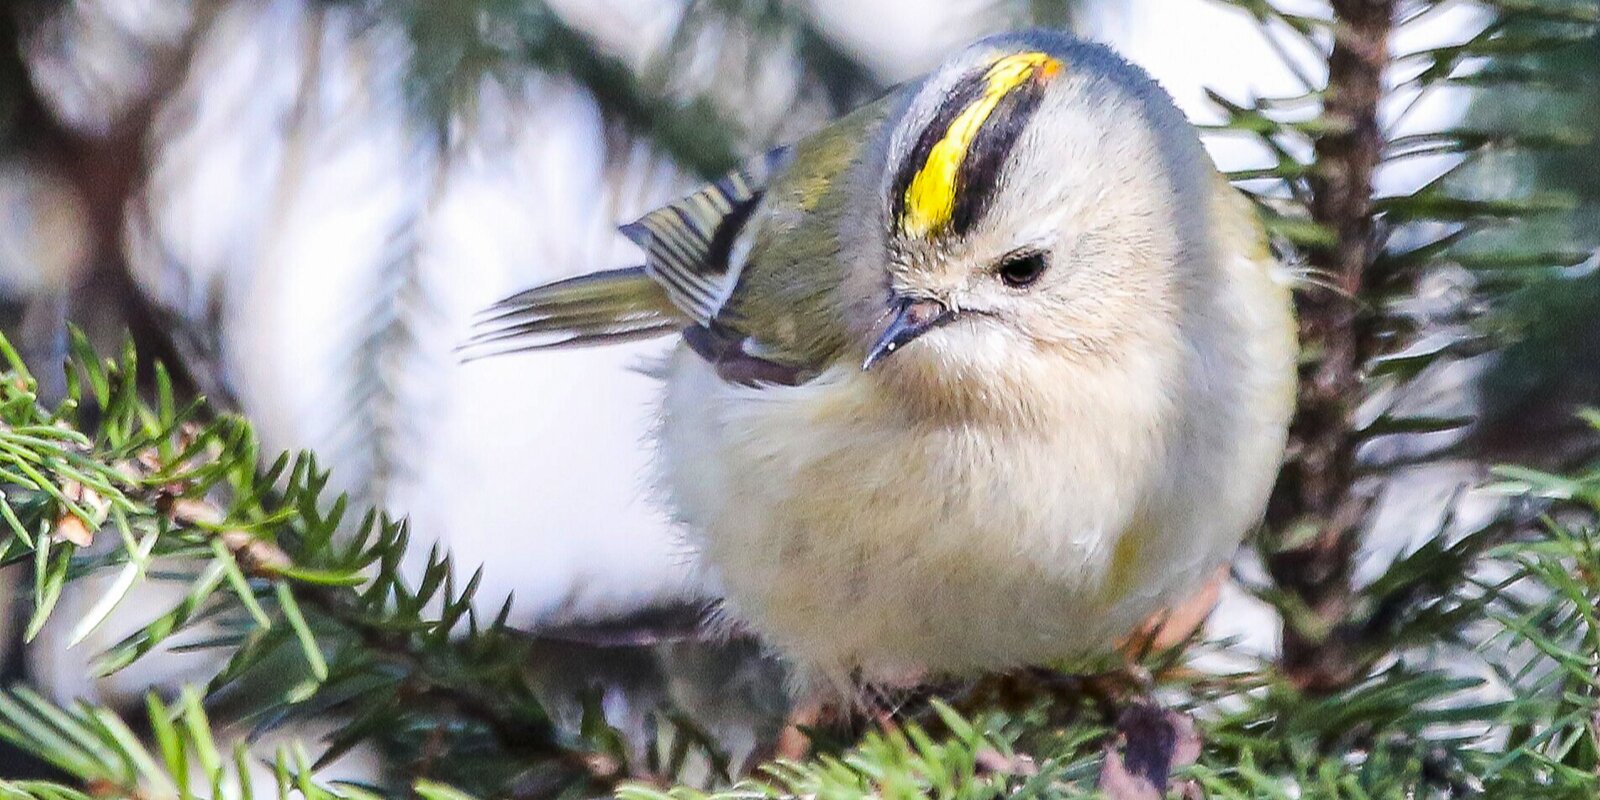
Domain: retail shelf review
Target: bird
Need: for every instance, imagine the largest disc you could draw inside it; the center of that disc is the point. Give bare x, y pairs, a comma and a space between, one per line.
979, 376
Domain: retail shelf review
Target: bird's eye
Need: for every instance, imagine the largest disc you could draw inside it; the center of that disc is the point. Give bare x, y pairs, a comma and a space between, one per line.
1021, 270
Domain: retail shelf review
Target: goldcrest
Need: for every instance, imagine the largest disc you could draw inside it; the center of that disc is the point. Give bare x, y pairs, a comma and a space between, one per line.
980, 375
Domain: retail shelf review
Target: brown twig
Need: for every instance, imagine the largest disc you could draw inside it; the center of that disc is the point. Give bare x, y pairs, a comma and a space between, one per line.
1319, 506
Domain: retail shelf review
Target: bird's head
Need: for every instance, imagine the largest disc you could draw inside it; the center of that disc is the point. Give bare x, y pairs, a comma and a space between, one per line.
1041, 203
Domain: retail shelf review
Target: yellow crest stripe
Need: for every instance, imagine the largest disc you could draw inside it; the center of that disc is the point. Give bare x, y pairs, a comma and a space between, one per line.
930, 199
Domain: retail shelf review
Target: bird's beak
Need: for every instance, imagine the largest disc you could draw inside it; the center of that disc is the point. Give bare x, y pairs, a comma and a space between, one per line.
911, 318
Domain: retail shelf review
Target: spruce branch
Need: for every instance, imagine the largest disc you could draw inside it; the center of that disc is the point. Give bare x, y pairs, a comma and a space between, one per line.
101, 750
427, 679
1319, 488
267, 560
276, 569
1364, 255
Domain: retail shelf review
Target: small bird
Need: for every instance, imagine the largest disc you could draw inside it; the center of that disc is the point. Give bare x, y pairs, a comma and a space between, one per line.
979, 376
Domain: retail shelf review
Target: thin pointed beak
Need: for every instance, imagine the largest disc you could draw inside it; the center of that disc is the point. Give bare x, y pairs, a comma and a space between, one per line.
912, 318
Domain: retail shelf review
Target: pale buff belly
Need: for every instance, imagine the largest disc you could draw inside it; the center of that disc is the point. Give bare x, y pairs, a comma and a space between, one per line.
852, 544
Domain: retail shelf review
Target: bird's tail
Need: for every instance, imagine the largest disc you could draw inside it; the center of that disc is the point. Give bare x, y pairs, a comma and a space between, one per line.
599, 308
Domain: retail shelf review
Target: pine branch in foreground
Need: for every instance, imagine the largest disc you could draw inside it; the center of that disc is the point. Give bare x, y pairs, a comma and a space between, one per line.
304, 603
271, 585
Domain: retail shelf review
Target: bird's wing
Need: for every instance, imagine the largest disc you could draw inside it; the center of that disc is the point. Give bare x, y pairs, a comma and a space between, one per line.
689, 243
607, 307
684, 279
782, 320
746, 267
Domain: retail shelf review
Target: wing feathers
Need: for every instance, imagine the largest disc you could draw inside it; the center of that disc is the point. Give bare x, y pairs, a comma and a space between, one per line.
688, 244
599, 308
686, 277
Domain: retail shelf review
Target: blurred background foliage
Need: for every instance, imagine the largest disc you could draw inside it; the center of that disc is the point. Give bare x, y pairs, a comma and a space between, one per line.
296, 205
1551, 363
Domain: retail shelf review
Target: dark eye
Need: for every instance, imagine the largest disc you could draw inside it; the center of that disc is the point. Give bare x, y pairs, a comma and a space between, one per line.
1021, 270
